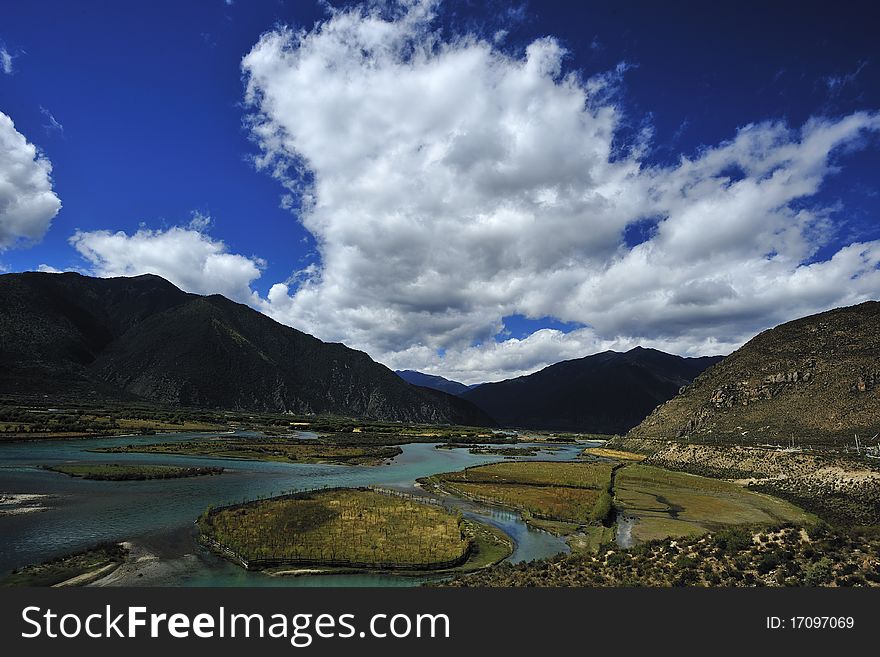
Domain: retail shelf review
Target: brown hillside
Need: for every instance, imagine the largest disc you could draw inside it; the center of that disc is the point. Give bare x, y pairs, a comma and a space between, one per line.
816, 379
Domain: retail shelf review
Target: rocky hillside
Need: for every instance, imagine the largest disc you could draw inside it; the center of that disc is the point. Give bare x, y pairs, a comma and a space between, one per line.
608, 392
815, 380
143, 338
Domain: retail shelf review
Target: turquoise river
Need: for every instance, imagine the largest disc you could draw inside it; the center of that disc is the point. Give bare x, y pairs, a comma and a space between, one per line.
157, 516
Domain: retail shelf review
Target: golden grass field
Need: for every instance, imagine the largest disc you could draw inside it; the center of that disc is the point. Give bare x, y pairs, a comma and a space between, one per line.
541, 473
613, 454
667, 503
553, 502
340, 525
267, 449
557, 496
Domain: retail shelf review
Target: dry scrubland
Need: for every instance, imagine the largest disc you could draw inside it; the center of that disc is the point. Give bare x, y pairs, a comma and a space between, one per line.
739, 556
815, 379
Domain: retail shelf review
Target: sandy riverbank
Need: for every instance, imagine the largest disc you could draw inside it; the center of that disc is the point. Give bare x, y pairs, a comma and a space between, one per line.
143, 567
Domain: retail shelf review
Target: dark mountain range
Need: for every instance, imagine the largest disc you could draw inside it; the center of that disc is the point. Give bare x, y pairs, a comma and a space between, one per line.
143, 338
812, 379
431, 381
610, 392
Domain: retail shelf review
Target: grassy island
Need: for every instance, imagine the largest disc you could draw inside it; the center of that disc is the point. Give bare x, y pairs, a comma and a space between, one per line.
131, 472
285, 450
349, 528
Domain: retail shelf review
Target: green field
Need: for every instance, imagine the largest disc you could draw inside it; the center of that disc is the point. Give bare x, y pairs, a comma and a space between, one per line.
666, 503
538, 473
340, 527
615, 454
131, 472
285, 450
546, 502
590, 539
558, 497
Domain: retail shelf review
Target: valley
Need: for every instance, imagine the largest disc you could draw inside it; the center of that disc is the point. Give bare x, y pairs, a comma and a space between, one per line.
156, 517
638, 467
517, 501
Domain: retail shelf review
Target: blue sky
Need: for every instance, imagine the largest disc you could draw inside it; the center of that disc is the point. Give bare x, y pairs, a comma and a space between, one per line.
251, 149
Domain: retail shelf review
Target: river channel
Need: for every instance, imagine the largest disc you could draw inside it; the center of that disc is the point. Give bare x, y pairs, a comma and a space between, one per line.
158, 515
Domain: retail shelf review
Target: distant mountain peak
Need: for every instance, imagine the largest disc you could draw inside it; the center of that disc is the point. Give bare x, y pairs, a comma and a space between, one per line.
606, 392
432, 381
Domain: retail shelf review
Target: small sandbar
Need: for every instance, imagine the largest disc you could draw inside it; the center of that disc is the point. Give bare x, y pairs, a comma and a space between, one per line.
12, 504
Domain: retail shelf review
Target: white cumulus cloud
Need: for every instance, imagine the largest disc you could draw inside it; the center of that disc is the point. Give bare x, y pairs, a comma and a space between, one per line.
27, 202
185, 255
6, 61
449, 184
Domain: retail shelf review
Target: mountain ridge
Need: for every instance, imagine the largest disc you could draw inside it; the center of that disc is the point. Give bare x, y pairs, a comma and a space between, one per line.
432, 381
816, 377
143, 338
608, 392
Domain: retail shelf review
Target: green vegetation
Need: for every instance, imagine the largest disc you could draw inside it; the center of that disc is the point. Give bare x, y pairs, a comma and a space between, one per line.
430, 432
666, 503
32, 418
79, 568
580, 500
131, 472
557, 496
576, 505
285, 450
615, 454
590, 539
840, 488
355, 528
537, 473
489, 546
508, 451
455, 436
739, 556
35, 421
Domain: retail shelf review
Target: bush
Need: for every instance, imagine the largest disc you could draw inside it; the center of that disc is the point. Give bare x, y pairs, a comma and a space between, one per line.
769, 561
819, 573
733, 540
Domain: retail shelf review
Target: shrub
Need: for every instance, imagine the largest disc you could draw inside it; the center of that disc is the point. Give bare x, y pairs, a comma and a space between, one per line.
819, 573
769, 561
733, 540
